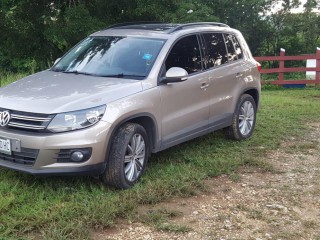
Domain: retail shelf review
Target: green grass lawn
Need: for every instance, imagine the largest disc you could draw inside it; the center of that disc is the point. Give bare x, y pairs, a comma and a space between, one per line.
73, 207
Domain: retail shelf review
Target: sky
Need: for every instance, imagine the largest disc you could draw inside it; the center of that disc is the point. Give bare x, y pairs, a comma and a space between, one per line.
277, 7
300, 9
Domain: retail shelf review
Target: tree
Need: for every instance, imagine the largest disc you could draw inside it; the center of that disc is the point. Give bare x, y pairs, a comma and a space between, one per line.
311, 27
35, 32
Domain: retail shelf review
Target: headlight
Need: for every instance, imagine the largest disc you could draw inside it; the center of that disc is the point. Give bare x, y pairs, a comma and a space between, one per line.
70, 121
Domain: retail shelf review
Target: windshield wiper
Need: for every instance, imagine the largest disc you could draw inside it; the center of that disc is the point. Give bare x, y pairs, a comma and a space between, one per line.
77, 72
119, 75
55, 70
122, 75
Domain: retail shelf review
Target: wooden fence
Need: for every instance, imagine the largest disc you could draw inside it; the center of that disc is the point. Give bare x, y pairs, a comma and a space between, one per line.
282, 69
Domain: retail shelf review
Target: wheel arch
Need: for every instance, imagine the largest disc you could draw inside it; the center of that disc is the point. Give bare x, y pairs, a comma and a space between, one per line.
146, 120
254, 93
233, 131
149, 125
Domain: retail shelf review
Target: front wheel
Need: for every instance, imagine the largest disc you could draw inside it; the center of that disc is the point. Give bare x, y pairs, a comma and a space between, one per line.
244, 119
128, 156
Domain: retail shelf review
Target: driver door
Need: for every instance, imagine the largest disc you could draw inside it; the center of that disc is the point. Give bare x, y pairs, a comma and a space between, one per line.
184, 105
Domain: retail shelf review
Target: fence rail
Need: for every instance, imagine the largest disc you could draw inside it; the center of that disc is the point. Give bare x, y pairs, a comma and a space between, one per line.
282, 69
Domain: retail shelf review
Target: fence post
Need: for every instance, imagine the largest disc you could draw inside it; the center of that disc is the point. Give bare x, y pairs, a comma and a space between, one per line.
281, 65
317, 67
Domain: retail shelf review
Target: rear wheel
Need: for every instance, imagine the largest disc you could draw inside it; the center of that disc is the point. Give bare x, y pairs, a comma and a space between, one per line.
244, 119
128, 156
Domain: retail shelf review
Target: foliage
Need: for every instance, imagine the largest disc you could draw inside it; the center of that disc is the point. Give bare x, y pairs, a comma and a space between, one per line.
6, 78
35, 33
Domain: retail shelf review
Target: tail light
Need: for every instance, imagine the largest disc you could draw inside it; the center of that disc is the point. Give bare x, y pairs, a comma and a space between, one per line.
259, 67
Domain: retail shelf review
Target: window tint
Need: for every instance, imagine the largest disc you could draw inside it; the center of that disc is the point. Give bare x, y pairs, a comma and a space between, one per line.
231, 51
216, 53
185, 54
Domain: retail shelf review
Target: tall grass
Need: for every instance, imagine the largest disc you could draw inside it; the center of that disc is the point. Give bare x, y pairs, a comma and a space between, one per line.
73, 207
287, 76
6, 78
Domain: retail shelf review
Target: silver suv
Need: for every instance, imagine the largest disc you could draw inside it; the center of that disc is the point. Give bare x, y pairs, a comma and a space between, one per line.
126, 92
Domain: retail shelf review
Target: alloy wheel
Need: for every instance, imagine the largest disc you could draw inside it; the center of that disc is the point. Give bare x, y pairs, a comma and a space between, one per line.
134, 157
246, 118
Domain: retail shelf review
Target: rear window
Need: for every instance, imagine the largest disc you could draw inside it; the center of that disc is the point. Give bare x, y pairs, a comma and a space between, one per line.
216, 53
237, 47
232, 55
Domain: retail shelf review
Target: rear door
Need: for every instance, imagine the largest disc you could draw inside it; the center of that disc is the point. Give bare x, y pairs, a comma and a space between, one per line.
184, 105
225, 75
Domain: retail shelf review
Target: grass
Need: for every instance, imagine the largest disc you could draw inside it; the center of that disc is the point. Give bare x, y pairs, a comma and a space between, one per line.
268, 78
6, 78
175, 228
73, 207
159, 219
287, 76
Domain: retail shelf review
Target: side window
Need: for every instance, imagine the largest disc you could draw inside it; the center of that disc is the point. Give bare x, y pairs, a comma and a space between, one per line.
216, 53
230, 48
185, 54
237, 47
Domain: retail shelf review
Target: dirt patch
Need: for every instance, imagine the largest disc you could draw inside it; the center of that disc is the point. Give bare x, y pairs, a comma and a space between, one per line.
252, 204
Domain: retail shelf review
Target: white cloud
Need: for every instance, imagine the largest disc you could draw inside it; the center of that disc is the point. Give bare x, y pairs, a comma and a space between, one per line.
278, 6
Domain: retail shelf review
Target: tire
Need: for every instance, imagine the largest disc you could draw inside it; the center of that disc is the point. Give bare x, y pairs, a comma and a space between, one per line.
244, 119
128, 156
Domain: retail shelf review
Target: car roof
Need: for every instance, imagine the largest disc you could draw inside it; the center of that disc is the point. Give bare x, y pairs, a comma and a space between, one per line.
157, 30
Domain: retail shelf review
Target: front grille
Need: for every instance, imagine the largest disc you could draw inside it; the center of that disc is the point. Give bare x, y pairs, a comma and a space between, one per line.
64, 156
26, 156
35, 122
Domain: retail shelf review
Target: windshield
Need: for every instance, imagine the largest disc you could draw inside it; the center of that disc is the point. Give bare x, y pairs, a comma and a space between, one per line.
111, 56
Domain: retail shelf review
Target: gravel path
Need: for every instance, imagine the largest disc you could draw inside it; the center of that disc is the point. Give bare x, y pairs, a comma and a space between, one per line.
280, 204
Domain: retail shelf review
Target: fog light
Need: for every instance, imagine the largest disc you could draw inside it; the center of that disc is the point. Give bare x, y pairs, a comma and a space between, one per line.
77, 156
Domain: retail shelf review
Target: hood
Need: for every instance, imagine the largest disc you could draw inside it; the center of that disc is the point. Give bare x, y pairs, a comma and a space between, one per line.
54, 92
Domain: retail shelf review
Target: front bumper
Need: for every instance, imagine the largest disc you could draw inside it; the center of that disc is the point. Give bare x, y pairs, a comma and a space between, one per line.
49, 145
89, 170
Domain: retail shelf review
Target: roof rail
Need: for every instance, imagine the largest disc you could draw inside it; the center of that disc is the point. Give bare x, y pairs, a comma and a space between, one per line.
131, 23
179, 27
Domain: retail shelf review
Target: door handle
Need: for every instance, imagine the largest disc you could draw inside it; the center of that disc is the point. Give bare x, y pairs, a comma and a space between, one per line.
204, 85
239, 75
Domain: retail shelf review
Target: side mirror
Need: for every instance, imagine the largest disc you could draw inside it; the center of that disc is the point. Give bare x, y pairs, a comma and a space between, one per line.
175, 74
57, 60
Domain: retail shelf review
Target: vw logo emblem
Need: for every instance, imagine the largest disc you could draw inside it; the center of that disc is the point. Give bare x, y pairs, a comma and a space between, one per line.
4, 118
